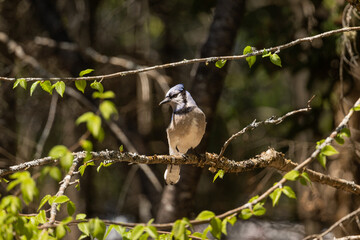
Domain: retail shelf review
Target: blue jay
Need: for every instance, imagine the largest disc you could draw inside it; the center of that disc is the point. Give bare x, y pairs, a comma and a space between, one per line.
186, 128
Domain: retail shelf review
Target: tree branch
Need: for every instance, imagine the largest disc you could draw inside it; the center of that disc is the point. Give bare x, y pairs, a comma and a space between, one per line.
186, 62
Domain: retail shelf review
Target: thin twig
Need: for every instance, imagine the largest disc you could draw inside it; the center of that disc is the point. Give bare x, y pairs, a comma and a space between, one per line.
255, 124
48, 126
63, 186
191, 61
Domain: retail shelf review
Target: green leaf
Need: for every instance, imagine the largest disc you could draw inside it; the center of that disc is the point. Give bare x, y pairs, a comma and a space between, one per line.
292, 175
137, 232
71, 208
67, 160
250, 60
318, 143
232, 220
55, 173
339, 139
259, 210
345, 132
86, 71
253, 198
275, 196
220, 63
121, 230
41, 217
245, 214
33, 87
46, 86
86, 145
275, 59
329, 150
266, 53
94, 126
104, 95
84, 228
44, 200
66, 157
178, 229
121, 148
60, 231
204, 215
107, 108
224, 226
58, 151
80, 216
61, 199
216, 227
289, 192
151, 230
28, 190
84, 117
220, 174
306, 178
60, 87
322, 160
356, 108
80, 85
97, 228
20, 81
97, 86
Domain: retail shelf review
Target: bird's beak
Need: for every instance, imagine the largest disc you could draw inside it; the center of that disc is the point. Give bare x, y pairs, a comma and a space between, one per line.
166, 100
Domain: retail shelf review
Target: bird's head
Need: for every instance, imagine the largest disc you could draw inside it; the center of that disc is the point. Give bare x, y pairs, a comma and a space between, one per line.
176, 96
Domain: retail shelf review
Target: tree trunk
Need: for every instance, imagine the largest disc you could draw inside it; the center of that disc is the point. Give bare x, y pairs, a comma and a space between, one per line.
177, 201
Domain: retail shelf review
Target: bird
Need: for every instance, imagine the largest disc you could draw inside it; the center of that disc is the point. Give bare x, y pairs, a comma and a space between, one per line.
186, 128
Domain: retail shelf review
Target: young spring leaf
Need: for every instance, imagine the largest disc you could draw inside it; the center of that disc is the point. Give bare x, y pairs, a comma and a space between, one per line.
306, 179
70, 208
275, 196
60, 88
259, 210
46, 86
84, 228
220, 63
250, 60
61, 199
44, 200
275, 59
322, 160
107, 108
356, 108
216, 227
97, 86
86, 71
151, 230
21, 82
80, 85
266, 53
80, 216
104, 95
55, 173
253, 198
60, 231
329, 150
137, 232
97, 228
219, 174
339, 139
292, 175
179, 229
245, 214
289, 192
33, 87
204, 215
232, 220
